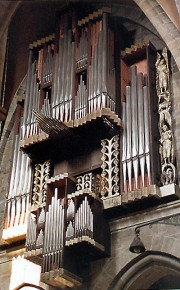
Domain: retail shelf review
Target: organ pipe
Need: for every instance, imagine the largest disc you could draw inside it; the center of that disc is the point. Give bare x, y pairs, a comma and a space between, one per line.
75, 77
136, 147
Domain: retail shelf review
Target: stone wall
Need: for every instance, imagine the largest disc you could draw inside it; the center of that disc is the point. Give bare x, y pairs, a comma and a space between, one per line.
166, 29
10, 274
156, 237
176, 112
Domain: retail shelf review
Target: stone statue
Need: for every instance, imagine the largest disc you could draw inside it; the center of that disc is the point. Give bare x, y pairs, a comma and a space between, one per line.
168, 174
164, 109
166, 149
162, 71
166, 140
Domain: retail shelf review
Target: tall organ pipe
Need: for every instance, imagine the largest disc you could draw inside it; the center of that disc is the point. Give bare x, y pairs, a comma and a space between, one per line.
147, 132
28, 84
124, 150
136, 142
129, 135
141, 127
134, 122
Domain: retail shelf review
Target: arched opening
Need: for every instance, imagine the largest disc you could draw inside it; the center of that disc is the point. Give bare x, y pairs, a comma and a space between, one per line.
28, 286
150, 270
167, 282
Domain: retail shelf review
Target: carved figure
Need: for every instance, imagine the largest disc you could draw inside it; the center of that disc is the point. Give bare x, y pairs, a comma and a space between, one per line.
166, 149
167, 146
164, 109
162, 72
168, 174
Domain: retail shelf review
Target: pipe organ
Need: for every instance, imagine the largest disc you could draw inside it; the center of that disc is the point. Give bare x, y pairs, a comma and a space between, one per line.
74, 78
17, 203
71, 227
74, 158
136, 143
53, 235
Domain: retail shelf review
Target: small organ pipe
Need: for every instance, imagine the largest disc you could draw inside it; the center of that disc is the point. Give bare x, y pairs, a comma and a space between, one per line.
134, 123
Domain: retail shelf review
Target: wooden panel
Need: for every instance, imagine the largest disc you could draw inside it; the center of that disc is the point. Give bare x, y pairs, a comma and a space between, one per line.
96, 159
61, 167
142, 66
80, 164
153, 115
125, 79
3, 113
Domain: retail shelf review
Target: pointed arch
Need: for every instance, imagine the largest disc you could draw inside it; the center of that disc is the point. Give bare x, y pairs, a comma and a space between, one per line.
28, 285
144, 270
165, 27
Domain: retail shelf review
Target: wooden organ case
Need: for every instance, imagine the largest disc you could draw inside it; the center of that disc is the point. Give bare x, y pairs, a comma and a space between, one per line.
79, 158
70, 107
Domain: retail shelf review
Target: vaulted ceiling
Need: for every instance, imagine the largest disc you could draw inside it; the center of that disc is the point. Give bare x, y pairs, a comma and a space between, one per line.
168, 8
7, 9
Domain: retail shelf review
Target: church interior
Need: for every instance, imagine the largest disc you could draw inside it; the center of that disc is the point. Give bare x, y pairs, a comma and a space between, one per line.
90, 145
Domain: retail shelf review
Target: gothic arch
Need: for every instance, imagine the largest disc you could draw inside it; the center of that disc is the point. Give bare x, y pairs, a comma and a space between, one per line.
30, 286
19, 96
143, 271
5, 142
166, 29
150, 8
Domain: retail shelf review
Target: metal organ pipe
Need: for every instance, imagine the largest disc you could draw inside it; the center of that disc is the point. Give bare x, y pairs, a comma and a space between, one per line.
91, 56
134, 123
101, 84
135, 155
48, 66
28, 83
62, 90
83, 220
129, 136
124, 147
53, 235
147, 133
141, 127
31, 97
18, 195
